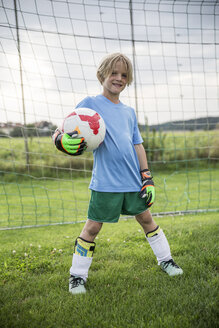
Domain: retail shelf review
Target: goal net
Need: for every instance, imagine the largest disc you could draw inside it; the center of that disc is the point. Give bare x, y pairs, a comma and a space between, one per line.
49, 53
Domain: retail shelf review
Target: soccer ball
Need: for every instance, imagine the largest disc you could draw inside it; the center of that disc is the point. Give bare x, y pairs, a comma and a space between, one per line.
89, 125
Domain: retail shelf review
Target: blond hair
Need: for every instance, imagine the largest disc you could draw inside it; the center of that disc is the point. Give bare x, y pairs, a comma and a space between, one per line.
108, 63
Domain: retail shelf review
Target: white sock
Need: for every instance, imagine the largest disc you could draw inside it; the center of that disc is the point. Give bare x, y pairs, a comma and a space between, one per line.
80, 266
160, 247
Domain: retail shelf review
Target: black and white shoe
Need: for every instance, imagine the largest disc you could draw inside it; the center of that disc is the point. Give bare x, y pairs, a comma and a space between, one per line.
171, 268
76, 285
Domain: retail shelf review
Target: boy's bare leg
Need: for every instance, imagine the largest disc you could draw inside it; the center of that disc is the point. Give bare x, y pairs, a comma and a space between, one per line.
146, 221
91, 230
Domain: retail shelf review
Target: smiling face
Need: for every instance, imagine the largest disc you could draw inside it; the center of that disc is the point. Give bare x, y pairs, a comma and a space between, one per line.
115, 82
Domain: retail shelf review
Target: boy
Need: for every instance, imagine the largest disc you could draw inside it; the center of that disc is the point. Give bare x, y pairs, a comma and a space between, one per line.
121, 182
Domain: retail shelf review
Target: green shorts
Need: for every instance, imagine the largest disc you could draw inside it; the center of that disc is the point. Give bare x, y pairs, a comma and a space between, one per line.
107, 206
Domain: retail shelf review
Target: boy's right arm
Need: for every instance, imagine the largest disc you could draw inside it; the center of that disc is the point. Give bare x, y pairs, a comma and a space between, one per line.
69, 143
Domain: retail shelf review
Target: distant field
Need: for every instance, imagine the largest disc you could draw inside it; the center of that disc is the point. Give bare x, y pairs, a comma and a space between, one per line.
53, 187
43, 201
172, 150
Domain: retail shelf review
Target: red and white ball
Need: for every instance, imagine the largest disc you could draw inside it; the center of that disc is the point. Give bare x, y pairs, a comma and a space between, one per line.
89, 125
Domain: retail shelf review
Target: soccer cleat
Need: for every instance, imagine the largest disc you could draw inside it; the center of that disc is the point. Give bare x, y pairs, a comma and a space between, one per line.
171, 268
76, 285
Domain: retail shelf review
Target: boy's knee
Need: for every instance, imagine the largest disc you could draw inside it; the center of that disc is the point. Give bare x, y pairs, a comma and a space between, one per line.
92, 228
144, 217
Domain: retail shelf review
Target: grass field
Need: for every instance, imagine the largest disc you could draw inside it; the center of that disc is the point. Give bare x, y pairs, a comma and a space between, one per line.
43, 201
125, 286
53, 187
172, 150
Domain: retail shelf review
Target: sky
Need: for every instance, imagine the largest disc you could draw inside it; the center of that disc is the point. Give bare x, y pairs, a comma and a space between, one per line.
175, 51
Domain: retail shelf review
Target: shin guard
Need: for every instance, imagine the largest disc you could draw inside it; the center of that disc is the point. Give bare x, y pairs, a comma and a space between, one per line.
159, 245
84, 247
82, 258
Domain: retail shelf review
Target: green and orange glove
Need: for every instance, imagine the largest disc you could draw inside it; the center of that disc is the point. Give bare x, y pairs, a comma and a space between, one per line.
147, 189
69, 143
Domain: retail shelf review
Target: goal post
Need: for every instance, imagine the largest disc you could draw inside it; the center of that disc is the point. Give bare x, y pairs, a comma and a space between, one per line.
49, 54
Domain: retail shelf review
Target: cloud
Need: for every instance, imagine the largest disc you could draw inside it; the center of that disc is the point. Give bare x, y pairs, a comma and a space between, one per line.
62, 44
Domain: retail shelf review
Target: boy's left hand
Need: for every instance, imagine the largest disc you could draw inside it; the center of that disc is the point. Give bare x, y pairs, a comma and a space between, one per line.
148, 189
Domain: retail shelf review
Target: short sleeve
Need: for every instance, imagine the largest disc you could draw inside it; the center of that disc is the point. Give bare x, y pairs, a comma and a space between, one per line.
86, 102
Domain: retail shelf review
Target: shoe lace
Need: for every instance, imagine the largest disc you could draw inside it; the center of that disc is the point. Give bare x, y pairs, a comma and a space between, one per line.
76, 281
170, 262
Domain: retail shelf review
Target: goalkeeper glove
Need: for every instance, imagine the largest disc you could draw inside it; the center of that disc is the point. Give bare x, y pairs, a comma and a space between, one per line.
148, 189
69, 143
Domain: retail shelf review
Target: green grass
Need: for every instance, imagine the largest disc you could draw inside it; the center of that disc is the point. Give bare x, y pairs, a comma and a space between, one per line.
125, 286
165, 150
43, 201
53, 188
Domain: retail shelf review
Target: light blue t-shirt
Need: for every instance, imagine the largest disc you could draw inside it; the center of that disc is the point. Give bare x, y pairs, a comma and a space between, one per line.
116, 166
